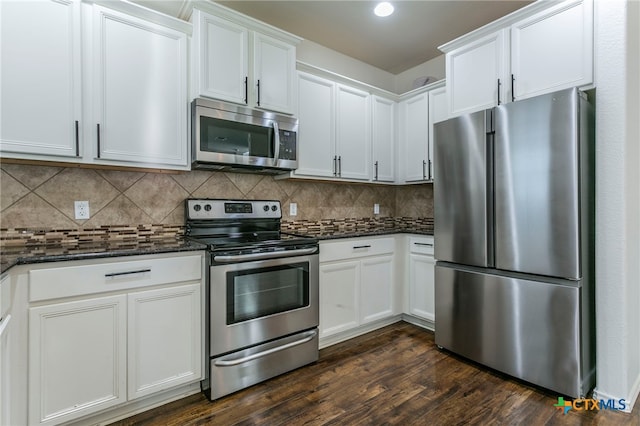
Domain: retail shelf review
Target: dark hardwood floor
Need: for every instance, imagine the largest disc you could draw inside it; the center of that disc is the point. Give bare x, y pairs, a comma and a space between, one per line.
392, 376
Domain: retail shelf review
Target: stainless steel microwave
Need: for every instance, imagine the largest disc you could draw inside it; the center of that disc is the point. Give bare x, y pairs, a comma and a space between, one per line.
231, 137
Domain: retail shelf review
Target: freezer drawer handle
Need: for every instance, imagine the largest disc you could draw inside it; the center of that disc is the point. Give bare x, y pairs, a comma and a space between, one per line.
361, 247
117, 274
233, 362
424, 244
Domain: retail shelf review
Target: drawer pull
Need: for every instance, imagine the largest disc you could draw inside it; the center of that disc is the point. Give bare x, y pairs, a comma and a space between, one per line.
424, 244
117, 274
359, 247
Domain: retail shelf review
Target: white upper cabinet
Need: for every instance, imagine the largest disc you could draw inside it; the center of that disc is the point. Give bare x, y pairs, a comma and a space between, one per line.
476, 74
415, 138
438, 111
217, 38
139, 90
316, 130
541, 48
334, 134
41, 100
383, 138
553, 50
240, 60
274, 73
353, 133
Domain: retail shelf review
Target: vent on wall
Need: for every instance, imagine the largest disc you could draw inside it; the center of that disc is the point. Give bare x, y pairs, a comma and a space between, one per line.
423, 81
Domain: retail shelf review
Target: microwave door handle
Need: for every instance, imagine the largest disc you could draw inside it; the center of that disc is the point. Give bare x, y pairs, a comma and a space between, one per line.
276, 141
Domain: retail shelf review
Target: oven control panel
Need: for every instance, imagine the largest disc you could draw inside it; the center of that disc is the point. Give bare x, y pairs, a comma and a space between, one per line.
204, 209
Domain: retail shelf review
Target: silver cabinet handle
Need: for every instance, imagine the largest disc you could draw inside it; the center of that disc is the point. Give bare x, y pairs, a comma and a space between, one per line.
424, 169
335, 165
267, 255
499, 84
430, 175
424, 244
118, 274
339, 165
77, 139
376, 168
98, 131
361, 247
237, 361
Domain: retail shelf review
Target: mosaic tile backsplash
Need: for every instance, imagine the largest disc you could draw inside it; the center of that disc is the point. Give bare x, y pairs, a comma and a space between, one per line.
42, 197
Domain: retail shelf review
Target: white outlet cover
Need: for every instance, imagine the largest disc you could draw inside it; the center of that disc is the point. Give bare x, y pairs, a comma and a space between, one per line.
293, 209
376, 209
82, 210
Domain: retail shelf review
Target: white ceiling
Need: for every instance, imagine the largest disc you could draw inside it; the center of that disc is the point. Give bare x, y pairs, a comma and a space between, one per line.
407, 38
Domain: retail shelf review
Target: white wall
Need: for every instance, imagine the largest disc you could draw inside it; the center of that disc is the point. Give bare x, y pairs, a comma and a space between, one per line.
328, 59
433, 68
617, 199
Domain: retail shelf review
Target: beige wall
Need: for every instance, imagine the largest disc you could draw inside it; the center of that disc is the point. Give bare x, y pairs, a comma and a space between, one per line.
42, 196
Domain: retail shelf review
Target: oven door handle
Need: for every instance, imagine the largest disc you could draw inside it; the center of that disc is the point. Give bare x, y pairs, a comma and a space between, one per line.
267, 255
233, 362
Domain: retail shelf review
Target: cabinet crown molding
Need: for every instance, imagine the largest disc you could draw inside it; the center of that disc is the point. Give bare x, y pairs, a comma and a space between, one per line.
147, 14
500, 24
246, 21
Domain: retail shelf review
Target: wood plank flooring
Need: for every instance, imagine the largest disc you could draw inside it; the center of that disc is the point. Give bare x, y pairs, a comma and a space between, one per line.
392, 376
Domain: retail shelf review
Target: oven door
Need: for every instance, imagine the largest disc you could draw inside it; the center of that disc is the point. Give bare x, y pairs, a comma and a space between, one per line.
253, 302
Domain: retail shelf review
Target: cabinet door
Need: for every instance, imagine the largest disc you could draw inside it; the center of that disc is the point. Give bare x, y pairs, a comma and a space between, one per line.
164, 339
553, 50
353, 137
274, 64
339, 297
416, 137
438, 111
140, 92
77, 358
223, 68
316, 131
40, 79
421, 286
476, 74
376, 290
383, 137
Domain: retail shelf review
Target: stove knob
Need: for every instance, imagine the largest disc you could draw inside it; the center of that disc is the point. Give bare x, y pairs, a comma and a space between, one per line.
274, 208
197, 207
266, 208
207, 207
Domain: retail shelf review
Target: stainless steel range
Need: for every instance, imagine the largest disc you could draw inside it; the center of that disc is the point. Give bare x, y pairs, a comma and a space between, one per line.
262, 292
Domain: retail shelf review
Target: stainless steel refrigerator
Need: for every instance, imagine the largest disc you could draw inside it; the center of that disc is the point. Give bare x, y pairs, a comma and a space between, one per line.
514, 239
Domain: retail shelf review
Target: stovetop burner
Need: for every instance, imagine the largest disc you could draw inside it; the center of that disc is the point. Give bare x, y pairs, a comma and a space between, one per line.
240, 226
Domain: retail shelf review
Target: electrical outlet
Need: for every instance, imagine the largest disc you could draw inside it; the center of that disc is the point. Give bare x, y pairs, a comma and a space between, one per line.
293, 209
82, 209
376, 209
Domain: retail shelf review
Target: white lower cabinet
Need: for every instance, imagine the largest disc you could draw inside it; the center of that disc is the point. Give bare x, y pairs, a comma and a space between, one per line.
356, 283
164, 344
89, 351
421, 296
77, 358
339, 292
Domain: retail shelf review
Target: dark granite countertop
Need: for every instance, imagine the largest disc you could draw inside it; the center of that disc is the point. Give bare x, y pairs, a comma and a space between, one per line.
19, 255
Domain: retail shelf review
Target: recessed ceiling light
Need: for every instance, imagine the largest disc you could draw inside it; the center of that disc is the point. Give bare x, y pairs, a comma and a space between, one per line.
383, 9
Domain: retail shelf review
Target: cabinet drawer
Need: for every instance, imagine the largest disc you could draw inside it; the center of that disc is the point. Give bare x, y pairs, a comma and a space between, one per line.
355, 248
421, 245
68, 281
